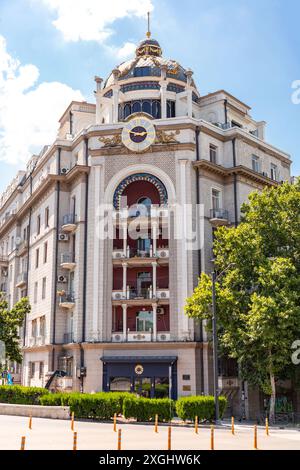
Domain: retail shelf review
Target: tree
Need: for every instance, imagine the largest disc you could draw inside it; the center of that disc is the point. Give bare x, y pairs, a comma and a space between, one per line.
258, 296
10, 322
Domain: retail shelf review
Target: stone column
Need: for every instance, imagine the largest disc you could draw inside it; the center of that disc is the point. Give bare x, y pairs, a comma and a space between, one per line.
183, 253
124, 307
124, 231
189, 90
154, 281
116, 92
124, 279
154, 237
154, 335
98, 96
163, 91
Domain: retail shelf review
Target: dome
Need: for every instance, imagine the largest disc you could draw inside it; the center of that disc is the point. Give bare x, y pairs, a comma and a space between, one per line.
148, 63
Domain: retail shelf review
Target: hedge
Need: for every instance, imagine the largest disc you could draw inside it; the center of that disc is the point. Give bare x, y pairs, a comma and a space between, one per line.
187, 408
145, 409
55, 399
16, 394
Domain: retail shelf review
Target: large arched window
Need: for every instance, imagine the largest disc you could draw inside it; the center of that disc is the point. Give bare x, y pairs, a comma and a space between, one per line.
148, 106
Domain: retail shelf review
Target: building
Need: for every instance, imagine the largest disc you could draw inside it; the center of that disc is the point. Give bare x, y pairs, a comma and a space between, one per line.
96, 230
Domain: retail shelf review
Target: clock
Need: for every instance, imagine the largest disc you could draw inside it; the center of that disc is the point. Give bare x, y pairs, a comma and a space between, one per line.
138, 134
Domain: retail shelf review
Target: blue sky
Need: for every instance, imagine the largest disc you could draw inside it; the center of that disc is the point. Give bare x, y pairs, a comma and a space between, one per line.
50, 51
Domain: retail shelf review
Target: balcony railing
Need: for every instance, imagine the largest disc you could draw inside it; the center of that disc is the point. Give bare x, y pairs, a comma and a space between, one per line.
22, 247
219, 217
139, 293
67, 300
21, 279
68, 338
69, 219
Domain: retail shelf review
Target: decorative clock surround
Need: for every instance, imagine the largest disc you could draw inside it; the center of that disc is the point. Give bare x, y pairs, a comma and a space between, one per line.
138, 134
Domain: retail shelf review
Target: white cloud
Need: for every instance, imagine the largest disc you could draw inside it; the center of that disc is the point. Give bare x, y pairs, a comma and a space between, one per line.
126, 51
92, 20
28, 111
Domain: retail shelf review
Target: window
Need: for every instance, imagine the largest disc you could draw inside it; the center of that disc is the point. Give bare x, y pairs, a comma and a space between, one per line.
45, 252
216, 199
38, 225
171, 109
34, 328
144, 321
37, 257
43, 326
44, 284
255, 163
35, 292
274, 172
213, 153
47, 217
236, 124
41, 370
31, 367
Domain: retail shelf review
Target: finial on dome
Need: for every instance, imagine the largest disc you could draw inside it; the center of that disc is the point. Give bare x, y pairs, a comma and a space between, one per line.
148, 34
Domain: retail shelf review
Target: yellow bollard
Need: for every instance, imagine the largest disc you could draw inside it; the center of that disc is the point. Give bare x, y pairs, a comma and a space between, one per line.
196, 424
30, 422
169, 438
212, 438
75, 441
232, 425
120, 439
255, 437
156, 424
23, 443
72, 421
267, 427
115, 422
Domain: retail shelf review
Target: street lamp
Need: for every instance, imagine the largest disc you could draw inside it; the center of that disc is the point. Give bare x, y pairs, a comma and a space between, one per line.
215, 277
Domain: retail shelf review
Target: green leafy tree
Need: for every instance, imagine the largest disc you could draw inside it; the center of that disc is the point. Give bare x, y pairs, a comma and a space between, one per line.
10, 322
258, 296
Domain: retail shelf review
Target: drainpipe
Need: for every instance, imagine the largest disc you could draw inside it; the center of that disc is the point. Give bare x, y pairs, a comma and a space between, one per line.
56, 258
83, 338
235, 183
197, 136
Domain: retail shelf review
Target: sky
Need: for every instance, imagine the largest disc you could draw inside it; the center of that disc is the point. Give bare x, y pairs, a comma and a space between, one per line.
50, 51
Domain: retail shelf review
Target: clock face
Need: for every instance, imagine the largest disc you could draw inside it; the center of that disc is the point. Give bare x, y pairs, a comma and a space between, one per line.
138, 134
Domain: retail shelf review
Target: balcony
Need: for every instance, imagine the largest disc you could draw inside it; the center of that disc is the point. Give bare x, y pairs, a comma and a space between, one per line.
135, 257
22, 280
67, 261
69, 223
4, 260
67, 301
143, 213
68, 338
218, 217
139, 336
22, 248
146, 295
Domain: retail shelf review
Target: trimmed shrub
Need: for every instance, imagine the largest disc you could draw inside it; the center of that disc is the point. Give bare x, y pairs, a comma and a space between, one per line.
16, 394
55, 399
97, 406
145, 409
187, 408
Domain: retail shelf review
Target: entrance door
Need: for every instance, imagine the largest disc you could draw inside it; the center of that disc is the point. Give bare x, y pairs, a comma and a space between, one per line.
142, 386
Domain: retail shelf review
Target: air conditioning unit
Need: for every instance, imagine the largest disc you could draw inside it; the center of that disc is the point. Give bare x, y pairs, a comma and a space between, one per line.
118, 254
18, 241
163, 253
62, 237
160, 311
163, 294
62, 279
117, 296
64, 171
117, 338
164, 337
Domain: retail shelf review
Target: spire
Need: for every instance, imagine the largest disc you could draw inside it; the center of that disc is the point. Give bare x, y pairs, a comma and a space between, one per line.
148, 34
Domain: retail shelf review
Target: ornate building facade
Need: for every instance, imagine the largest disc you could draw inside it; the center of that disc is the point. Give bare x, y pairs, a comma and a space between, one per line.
97, 231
